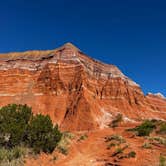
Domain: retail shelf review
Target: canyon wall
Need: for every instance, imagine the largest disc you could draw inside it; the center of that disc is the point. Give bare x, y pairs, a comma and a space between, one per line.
78, 92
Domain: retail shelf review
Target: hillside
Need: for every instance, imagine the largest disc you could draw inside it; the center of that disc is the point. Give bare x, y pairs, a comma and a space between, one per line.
78, 92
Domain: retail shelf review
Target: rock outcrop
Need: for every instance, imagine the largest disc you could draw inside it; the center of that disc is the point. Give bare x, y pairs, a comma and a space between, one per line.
78, 92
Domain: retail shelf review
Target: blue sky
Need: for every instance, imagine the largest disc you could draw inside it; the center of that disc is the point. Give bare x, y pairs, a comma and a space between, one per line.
128, 33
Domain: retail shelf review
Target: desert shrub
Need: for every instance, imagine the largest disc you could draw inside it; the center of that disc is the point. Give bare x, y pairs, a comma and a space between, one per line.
14, 155
13, 123
64, 142
54, 158
16, 152
3, 154
20, 130
117, 151
144, 129
83, 137
162, 129
41, 135
147, 145
115, 122
131, 154
162, 160
159, 140
115, 137
110, 145
68, 135
63, 149
19, 126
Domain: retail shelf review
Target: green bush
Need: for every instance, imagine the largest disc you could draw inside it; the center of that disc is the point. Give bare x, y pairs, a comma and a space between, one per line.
162, 160
41, 134
9, 155
13, 123
144, 129
19, 126
115, 137
64, 142
132, 154
3, 154
147, 145
117, 151
110, 145
63, 149
162, 129
68, 135
83, 137
159, 140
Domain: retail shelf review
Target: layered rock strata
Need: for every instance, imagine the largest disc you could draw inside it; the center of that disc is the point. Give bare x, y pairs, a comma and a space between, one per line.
78, 92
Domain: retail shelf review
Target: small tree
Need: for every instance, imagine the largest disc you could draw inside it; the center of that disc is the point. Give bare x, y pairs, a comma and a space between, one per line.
19, 126
42, 136
13, 123
144, 129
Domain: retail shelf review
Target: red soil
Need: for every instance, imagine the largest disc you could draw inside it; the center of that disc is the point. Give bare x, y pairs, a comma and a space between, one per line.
93, 151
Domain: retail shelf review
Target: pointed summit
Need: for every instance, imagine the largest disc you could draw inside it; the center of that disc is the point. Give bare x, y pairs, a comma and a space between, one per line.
68, 51
70, 46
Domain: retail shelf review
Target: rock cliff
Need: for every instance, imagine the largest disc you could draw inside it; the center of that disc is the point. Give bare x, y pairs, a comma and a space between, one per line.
78, 92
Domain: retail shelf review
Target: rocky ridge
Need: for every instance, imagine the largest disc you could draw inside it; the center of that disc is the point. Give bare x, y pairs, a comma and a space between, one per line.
78, 92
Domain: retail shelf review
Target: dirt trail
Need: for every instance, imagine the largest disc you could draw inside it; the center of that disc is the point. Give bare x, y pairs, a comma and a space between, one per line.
93, 152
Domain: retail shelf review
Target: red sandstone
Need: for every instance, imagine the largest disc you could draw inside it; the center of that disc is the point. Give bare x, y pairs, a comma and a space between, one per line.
79, 93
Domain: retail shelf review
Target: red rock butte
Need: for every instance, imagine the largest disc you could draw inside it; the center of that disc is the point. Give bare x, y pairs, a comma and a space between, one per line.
78, 92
